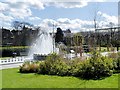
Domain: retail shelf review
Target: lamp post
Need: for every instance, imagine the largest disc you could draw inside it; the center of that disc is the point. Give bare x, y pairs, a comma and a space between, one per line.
53, 37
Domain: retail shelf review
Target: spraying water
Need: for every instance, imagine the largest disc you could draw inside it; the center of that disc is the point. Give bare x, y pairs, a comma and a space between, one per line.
43, 45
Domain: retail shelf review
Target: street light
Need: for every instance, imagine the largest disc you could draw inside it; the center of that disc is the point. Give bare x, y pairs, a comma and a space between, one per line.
53, 37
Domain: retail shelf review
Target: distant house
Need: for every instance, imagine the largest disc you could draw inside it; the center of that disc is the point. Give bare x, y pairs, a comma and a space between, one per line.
17, 37
7, 37
0, 37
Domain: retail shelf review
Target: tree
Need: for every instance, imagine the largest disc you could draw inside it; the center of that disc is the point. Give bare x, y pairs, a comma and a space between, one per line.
78, 41
96, 25
18, 25
68, 39
59, 35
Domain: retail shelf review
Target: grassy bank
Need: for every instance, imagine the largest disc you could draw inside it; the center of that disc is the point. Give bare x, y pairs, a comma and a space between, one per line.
14, 47
11, 78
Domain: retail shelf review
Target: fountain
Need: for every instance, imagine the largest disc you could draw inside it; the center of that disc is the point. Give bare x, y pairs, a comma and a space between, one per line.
42, 46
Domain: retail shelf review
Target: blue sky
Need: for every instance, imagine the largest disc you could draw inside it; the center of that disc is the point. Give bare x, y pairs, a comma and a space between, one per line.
76, 16
84, 13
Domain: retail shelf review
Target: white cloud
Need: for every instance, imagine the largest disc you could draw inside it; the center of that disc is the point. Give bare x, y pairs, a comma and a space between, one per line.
3, 6
97, 0
23, 10
65, 23
20, 13
34, 18
5, 24
20, 9
74, 22
70, 3
16, 9
5, 18
67, 4
78, 24
48, 23
107, 19
35, 3
5, 21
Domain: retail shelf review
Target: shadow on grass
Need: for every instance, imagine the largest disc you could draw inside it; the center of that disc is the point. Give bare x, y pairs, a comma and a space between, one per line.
78, 77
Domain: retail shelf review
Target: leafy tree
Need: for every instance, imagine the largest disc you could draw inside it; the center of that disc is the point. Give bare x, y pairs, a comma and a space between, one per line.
78, 41
59, 35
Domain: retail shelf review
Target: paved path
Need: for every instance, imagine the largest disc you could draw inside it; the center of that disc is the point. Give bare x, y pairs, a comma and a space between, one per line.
12, 65
106, 53
11, 62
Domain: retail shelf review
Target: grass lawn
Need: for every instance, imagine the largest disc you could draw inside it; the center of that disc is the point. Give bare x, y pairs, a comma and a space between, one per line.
13, 47
0, 79
11, 78
104, 49
4, 58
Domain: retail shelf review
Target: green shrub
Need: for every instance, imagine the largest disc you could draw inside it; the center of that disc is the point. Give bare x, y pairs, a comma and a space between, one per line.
29, 67
113, 55
96, 67
74, 67
116, 63
59, 67
47, 64
53, 65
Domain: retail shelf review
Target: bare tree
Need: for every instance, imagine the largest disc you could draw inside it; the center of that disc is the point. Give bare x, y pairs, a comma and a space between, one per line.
96, 18
18, 25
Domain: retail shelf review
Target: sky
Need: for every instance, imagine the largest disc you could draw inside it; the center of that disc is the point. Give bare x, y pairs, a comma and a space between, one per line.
76, 16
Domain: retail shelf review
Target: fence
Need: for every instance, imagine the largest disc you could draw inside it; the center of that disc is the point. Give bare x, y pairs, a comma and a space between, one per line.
12, 60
